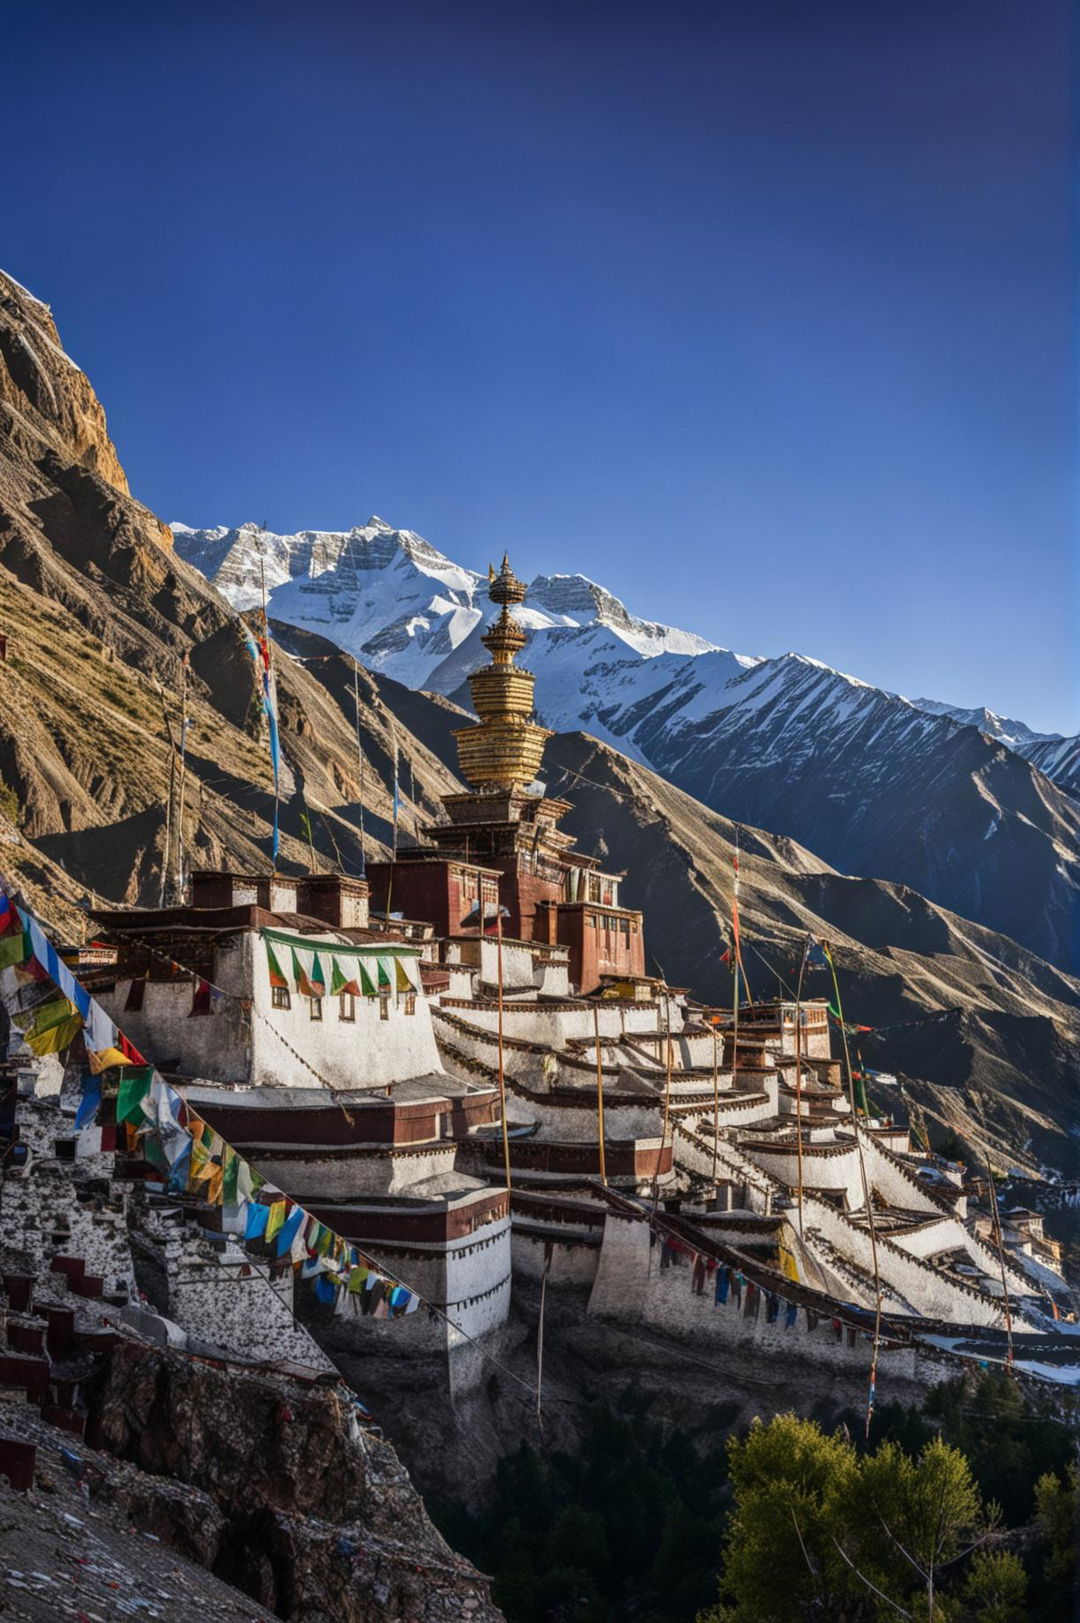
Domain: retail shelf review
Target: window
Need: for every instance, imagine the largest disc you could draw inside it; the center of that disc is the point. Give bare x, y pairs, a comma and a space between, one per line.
410, 1002
384, 1008
315, 1007
279, 997
347, 1007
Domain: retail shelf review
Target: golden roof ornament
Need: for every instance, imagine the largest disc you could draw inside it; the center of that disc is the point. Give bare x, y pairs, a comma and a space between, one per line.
506, 749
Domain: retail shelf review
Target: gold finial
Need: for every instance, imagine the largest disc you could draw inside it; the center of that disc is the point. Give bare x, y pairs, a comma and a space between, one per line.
507, 747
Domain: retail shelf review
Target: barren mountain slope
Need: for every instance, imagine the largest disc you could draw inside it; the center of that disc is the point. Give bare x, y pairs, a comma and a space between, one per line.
986, 1030
961, 804
99, 614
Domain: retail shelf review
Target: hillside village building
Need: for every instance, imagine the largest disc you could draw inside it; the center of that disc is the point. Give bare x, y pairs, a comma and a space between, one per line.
354, 1039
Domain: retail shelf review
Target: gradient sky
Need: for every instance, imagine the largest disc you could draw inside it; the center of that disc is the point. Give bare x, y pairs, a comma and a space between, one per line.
758, 313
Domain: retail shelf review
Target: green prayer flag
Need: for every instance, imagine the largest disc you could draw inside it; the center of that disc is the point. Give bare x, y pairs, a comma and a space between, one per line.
338, 983
231, 1164
38, 1020
15, 949
56, 1037
134, 1087
384, 977
277, 978
366, 981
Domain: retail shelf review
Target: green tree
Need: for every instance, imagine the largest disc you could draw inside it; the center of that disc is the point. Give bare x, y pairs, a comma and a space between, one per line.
1057, 1505
818, 1531
909, 1521
995, 1589
781, 1558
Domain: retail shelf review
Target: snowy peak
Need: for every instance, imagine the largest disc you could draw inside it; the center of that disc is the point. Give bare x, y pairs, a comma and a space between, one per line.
577, 600
1016, 734
399, 605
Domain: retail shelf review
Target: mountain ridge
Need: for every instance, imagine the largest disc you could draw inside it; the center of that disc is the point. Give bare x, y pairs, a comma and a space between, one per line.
909, 791
100, 617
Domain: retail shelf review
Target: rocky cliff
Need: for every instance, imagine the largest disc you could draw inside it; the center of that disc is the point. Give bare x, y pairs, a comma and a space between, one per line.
48, 401
301, 1508
104, 625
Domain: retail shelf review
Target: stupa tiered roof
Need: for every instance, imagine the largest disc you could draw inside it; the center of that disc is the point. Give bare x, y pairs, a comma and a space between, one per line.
505, 749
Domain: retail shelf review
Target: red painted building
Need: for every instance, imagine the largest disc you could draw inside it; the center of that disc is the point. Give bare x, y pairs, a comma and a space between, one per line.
504, 832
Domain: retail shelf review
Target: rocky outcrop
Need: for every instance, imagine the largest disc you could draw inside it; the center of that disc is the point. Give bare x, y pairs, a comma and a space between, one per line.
310, 1513
50, 397
104, 625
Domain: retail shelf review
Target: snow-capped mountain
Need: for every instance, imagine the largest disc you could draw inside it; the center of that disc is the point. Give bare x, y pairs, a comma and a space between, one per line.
402, 608
958, 805
1052, 753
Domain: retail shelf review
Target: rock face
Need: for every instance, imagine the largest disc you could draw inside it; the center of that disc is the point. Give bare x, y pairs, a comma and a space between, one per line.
104, 624
46, 397
310, 1514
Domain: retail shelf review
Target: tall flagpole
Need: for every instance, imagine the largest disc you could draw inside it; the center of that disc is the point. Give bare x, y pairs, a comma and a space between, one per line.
270, 706
996, 1215
867, 1196
798, 1077
599, 1093
360, 768
736, 964
502, 1068
397, 790
181, 775
716, 1103
667, 1101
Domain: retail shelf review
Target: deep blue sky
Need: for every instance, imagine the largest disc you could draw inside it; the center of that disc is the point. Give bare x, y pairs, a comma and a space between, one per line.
757, 313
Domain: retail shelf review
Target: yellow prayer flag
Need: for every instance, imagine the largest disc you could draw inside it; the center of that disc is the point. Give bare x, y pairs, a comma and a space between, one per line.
105, 1059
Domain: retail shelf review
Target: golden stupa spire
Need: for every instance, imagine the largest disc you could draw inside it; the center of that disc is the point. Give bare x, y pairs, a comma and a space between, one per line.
506, 749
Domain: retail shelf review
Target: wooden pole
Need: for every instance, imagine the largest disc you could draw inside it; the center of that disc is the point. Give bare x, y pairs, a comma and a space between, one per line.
270, 721
181, 776
166, 856
667, 1105
599, 1094
1001, 1258
716, 1105
798, 1082
502, 1070
360, 767
867, 1193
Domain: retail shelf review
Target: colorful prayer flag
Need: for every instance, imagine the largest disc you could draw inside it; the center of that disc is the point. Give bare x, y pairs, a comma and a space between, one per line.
338, 982
300, 976
54, 1026
134, 1088
287, 1232
276, 977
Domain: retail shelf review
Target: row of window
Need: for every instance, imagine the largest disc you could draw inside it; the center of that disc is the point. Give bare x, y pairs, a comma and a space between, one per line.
281, 998
604, 921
